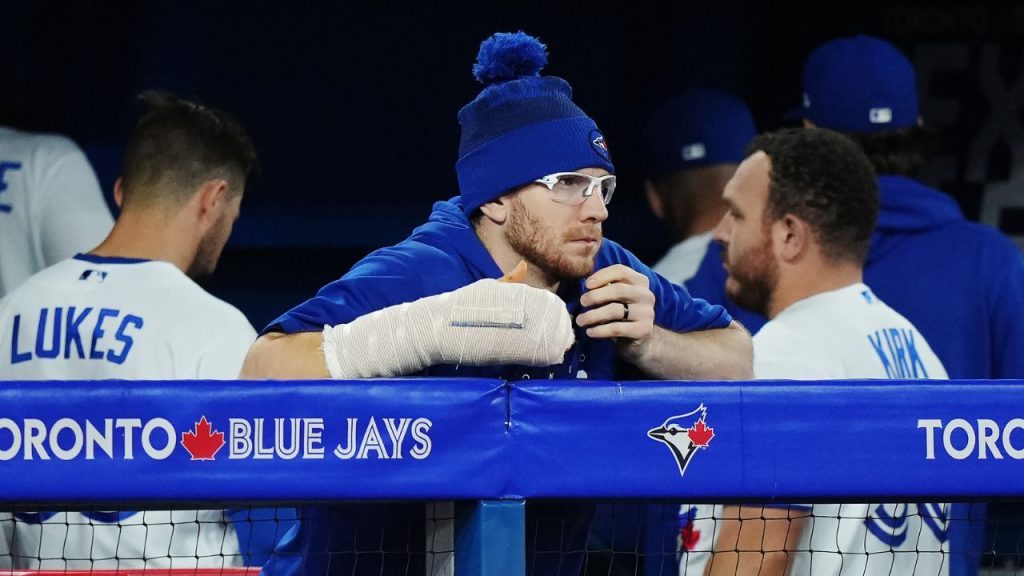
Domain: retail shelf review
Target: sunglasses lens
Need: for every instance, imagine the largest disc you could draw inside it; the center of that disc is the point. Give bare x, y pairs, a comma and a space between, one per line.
607, 189
574, 188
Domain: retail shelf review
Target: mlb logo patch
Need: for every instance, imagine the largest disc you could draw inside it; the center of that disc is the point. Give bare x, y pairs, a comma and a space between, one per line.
694, 151
880, 115
94, 276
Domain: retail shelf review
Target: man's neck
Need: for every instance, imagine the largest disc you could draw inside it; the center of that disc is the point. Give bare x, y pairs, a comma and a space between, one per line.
149, 235
705, 221
801, 284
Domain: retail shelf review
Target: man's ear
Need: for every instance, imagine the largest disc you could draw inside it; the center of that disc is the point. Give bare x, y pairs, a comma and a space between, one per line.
654, 200
792, 237
210, 198
118, 192
496, 210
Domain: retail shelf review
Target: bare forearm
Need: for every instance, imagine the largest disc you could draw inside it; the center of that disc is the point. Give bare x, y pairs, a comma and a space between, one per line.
755, 541
720, 354
286, 357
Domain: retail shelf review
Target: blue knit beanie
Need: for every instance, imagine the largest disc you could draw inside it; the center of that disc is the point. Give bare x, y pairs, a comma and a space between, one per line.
522, 126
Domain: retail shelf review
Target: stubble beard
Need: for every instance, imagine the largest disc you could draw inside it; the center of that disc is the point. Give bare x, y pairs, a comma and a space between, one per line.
752, 279
545, 248
207, 255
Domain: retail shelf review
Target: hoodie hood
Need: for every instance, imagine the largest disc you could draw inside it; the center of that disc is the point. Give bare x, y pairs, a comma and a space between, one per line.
909, 206
449, 229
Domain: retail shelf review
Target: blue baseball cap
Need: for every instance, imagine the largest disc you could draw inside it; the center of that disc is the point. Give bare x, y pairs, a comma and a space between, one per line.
697, 128
859, 84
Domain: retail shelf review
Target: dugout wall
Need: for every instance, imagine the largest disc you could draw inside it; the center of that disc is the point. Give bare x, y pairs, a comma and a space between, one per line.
495, 443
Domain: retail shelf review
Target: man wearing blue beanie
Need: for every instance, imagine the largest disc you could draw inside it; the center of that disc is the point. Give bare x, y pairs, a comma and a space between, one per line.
535, 178
695, 140
961, 283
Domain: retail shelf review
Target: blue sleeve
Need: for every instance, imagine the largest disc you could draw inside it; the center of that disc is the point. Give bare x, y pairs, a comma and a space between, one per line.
674, 308
380, 280
1007, 317
709, 284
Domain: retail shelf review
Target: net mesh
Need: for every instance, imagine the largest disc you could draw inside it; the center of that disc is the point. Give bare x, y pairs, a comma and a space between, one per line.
562, 538
466, 439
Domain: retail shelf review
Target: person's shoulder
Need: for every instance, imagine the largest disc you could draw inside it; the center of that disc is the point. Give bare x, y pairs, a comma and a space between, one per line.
192, 305
415, 260
40, 146
38, 287
987, 237
800, 329
411, 254
51, 275
784, 333
784, 350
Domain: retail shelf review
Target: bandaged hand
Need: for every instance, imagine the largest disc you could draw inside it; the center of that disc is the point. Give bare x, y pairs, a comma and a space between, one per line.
483, 324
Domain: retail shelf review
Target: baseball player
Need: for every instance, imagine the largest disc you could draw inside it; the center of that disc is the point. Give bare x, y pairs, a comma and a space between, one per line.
865, 88
695, 140
130, 308
51, 205
801, 209
535, 178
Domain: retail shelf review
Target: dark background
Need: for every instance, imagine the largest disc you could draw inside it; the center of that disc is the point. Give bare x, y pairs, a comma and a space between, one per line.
352, 104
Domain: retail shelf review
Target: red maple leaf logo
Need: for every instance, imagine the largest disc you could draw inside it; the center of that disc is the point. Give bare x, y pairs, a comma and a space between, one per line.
688, 538
700, 434
204, 443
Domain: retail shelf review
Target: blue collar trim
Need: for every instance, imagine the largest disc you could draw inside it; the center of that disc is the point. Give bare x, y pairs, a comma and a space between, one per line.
109, 259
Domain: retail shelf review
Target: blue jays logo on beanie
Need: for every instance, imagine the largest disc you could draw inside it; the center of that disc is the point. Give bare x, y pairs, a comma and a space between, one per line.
859, 84
697, 128
522, 126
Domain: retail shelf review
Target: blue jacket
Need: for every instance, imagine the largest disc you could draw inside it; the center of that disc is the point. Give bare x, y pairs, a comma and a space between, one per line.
442, 255
445, 254
961, 283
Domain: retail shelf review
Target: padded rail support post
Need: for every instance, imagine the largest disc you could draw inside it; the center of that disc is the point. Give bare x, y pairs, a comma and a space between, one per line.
490, 538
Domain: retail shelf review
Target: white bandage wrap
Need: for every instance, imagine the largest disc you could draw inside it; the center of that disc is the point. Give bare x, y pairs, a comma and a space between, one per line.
486, 323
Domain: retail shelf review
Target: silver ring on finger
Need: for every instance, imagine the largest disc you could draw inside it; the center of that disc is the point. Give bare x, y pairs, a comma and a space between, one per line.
625, 312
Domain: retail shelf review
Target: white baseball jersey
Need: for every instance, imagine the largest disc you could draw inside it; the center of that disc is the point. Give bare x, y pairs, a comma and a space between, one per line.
843, 334
680, 263
91, 317
51, 206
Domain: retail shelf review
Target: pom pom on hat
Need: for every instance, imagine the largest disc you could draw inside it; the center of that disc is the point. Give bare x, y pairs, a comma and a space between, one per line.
522, 126
507, 56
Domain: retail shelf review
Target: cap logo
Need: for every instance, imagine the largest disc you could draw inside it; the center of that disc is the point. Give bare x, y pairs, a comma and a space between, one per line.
880, 115
600, 146
694, 151
807, 100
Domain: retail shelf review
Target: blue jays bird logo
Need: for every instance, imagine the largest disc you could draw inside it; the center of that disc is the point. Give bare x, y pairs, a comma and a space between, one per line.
599, 144
684, 434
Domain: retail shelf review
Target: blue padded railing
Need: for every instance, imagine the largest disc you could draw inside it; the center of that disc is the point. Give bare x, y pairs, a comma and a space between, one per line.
500, 443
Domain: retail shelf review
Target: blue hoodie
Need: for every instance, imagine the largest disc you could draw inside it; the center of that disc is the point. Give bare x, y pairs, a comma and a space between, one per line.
445, 254
442, 255
961, 283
